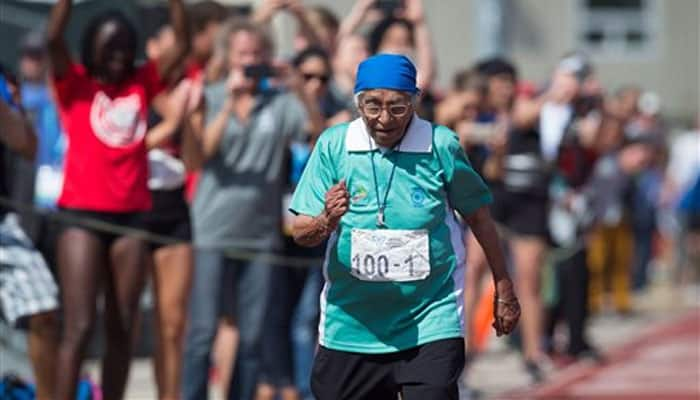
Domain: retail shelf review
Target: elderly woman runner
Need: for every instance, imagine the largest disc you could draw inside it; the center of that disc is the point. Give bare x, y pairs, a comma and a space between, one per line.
383, 190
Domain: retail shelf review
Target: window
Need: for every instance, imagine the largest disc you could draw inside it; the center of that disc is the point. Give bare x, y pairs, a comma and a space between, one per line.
619, 28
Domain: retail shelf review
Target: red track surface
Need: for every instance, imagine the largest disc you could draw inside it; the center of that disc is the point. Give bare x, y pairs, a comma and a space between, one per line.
663, 363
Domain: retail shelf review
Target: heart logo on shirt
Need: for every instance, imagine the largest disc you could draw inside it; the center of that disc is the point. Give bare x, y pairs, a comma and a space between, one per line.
117, 122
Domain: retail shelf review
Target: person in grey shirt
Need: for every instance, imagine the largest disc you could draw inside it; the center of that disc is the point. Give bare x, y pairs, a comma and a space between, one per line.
244, 135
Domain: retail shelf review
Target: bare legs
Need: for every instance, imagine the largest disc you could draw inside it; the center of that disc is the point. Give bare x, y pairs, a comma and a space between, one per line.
172, 275
84, 260
528, 253
123, 286
225, 347
42, 341
81, 260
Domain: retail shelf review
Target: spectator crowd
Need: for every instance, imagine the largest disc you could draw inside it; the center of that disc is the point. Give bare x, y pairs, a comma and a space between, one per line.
176, 172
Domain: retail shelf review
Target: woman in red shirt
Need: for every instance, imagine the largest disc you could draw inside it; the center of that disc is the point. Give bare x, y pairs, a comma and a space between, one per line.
103, 106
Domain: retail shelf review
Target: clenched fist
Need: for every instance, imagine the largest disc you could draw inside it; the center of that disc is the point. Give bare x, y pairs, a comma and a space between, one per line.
337, 202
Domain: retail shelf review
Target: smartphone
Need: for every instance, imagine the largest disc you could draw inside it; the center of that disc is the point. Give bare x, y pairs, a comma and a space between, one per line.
388, 7
259, 71
482, 132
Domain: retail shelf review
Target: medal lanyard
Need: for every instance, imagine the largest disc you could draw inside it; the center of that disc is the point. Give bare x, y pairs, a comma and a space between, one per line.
380, 203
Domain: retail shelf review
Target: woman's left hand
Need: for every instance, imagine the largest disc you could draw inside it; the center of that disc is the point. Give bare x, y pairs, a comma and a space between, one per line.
506, 308
413, 11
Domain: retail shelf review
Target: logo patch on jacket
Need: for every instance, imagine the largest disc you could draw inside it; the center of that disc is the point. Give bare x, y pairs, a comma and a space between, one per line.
418, 197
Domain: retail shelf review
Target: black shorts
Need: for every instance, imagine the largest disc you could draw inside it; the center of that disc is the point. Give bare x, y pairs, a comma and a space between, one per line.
522, 213
46, 238
427, 372
107, 226
170, 217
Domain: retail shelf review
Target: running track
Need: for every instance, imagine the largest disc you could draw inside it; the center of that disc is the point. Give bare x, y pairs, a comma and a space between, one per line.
662, 363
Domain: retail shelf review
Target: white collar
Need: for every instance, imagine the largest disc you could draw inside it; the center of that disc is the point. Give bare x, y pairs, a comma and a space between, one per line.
418, 138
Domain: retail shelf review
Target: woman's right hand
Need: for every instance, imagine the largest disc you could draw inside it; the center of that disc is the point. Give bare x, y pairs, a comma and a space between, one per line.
337, 202
236, 81
506, 310
267, 10
363, 6
413, 11
498, 143
451, 109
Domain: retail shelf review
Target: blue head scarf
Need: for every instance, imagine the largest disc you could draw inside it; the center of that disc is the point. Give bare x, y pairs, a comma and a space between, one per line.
386, 71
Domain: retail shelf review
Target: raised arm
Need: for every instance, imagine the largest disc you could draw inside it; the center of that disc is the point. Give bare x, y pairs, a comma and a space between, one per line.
267, 9
193, 127
169, 62
560, 90
213, 131
356, 17
59, 56
315, 123
527, 111
425, 57
171, 107
307, 30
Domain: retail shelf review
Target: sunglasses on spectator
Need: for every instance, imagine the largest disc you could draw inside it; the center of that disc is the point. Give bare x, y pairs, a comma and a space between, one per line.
323, 78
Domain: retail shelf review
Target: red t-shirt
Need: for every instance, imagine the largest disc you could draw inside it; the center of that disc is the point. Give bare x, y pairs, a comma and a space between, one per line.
194, 70
106, 165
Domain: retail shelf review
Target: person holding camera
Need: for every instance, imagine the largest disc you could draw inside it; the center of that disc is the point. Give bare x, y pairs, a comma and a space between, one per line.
249, 122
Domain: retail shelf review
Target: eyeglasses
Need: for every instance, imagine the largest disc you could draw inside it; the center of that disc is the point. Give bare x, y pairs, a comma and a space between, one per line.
323, 78
395, 110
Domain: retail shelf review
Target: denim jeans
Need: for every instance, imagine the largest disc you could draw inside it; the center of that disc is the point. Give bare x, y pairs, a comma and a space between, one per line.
291, 322
277, 357
305, 332
644, 216
214, 275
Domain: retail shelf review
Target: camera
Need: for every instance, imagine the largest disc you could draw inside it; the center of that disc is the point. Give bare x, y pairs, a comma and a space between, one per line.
482, 132
259, 71
388, 7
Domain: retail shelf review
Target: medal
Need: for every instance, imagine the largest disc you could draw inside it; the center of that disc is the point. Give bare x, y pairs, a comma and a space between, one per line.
380, 219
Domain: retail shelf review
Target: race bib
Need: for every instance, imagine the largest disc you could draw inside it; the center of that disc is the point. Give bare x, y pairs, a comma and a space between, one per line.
389, 255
